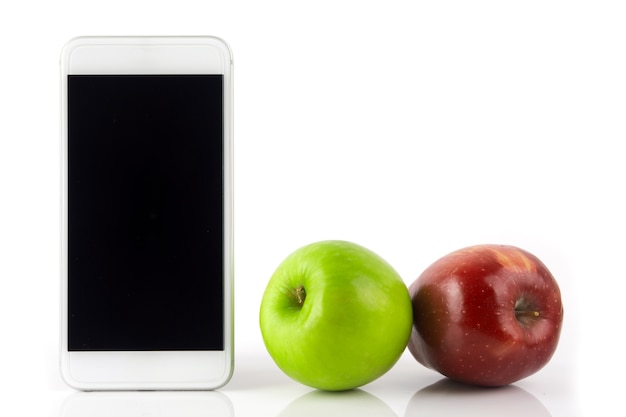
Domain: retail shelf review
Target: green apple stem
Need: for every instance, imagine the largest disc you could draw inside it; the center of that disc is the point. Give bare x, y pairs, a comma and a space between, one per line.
298, 295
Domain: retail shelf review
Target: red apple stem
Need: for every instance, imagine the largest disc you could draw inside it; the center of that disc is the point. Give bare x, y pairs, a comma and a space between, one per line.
524, 310
526, 313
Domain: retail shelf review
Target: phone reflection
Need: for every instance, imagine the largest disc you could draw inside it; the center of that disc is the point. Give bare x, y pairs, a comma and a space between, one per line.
335, 404
449, 398
147, 404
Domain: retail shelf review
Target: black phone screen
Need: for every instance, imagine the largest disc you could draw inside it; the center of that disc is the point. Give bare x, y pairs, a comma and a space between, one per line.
145, 212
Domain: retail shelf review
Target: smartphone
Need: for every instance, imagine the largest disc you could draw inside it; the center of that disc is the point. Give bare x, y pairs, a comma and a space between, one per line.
147, 248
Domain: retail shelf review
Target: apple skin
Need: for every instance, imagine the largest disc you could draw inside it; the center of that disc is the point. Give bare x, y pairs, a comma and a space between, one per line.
335, 316
486, 315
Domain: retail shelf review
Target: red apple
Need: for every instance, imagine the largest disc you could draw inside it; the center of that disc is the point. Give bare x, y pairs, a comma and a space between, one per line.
486, 315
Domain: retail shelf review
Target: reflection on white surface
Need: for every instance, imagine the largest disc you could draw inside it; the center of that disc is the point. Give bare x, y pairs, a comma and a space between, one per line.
448, 398
336, 404
147, 404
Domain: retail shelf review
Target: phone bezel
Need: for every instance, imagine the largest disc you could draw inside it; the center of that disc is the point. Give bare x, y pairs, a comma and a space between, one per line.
150, 370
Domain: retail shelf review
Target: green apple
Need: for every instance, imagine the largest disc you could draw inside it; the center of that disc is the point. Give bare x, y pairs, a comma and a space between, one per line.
335, 315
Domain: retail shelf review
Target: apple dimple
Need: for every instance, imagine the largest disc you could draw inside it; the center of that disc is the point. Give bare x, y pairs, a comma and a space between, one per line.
526, 311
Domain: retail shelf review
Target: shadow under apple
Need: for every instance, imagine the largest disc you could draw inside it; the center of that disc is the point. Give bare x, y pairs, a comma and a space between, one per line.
335, 404
447, 398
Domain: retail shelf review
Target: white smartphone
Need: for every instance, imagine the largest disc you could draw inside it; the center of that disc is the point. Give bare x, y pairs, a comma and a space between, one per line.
147, 250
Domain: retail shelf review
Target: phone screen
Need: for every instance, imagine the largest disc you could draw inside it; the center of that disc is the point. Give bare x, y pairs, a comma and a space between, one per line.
145, 212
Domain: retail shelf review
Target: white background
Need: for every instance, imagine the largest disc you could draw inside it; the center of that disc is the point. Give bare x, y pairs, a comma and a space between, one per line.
411, 127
